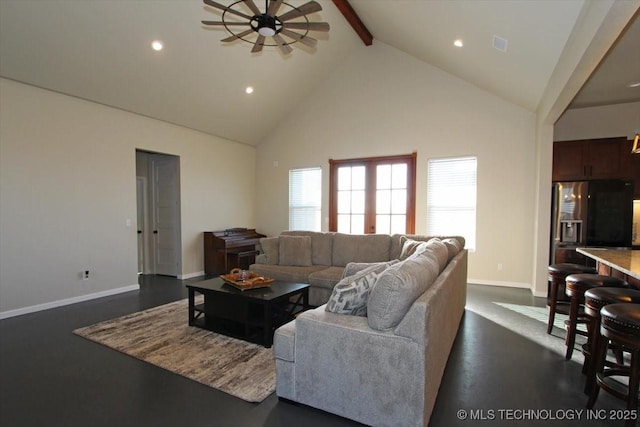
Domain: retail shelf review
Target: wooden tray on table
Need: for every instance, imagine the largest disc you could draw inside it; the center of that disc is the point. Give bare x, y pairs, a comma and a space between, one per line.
254, 280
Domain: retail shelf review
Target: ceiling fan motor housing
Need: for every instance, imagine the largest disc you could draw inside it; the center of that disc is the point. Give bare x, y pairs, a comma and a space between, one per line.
265, 24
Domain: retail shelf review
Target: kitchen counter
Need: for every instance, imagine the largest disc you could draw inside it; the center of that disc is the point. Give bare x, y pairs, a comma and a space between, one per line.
623, 260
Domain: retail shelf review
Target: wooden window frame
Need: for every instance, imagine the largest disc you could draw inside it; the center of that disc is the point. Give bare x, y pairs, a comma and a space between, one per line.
370, 199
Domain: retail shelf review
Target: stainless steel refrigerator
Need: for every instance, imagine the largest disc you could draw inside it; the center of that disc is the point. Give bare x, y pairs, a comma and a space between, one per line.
590, 213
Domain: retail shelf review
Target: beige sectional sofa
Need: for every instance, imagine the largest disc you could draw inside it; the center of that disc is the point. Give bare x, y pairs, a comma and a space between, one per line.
319, 258
382, 363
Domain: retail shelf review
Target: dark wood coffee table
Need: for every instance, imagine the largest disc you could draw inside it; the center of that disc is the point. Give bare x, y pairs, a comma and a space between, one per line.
252, 315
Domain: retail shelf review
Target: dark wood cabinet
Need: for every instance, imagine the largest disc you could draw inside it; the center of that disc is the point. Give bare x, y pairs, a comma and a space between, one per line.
633, 168
569, 161
590, 159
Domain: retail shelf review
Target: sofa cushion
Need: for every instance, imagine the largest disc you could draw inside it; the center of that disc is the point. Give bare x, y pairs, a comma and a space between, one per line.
270, 249
453, 247
326, 278
354, 267
350, 294
439, 251
397, 288
321, 245
360, 248
295, 251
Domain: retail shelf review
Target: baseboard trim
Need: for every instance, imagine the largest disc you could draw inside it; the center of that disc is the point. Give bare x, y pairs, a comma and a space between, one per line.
67, 301
191, 275
539, 294
498, 283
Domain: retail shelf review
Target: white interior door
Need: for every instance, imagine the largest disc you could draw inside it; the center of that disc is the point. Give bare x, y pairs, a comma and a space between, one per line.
166, 214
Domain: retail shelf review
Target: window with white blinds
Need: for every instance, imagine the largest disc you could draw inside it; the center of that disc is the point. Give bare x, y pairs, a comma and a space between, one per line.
305, 199
451, 198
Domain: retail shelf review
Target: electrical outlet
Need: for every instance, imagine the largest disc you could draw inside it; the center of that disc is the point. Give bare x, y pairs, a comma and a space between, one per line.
500, 266
85, 275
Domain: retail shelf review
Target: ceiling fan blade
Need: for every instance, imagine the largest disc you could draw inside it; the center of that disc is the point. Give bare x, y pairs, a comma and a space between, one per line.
312, 6
284, 47
273, 7
306, 40
224, 23
237, 36
253, 7
257, 46
226, 9
311, 26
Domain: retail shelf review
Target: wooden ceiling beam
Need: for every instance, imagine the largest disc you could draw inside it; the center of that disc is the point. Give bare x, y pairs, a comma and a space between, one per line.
352, 18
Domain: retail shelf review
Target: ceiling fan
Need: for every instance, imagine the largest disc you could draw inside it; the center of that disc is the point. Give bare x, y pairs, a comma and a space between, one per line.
269, 24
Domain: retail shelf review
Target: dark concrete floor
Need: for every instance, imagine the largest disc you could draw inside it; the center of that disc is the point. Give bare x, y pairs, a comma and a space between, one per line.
51, 377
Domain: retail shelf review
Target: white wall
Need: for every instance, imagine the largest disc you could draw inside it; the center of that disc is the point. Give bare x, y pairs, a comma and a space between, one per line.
607, 121
68, 185
600, 23
380, 102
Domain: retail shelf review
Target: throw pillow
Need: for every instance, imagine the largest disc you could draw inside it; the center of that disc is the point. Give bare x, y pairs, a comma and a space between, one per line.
295, 251
270, 248
355, 267
408, 246
350, 294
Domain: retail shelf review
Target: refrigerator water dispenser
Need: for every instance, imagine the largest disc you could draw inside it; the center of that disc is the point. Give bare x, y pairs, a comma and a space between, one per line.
570, 231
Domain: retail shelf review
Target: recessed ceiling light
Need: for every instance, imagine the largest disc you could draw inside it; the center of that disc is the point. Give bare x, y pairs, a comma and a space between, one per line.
634, 84
458, 43
249, 90
157, 45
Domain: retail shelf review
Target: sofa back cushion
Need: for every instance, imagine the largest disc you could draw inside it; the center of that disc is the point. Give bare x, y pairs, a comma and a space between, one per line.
271, 250
435, 245
396, 245
453, 247
439, 251
360, 248
295, 251
321, 245
397, 288
355, 267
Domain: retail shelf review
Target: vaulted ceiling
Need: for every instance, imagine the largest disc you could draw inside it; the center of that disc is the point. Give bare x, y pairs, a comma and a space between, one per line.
100, 50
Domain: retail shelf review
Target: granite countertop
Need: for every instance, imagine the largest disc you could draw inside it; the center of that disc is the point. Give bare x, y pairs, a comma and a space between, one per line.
624, 260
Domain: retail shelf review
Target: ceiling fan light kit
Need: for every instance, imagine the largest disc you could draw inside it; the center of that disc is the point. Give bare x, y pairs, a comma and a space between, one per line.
269, 23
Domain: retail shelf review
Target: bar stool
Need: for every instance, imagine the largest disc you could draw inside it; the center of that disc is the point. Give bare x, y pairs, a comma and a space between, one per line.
620, 324
576, 286
556, 298
594, 300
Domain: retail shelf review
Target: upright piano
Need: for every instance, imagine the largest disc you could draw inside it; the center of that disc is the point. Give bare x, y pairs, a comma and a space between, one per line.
230, 248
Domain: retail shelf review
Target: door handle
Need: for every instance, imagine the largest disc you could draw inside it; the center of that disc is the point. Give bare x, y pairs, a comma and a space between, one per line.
155, 231
139, 231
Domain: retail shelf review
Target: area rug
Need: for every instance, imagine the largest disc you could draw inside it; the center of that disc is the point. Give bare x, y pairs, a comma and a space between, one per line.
161, 336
